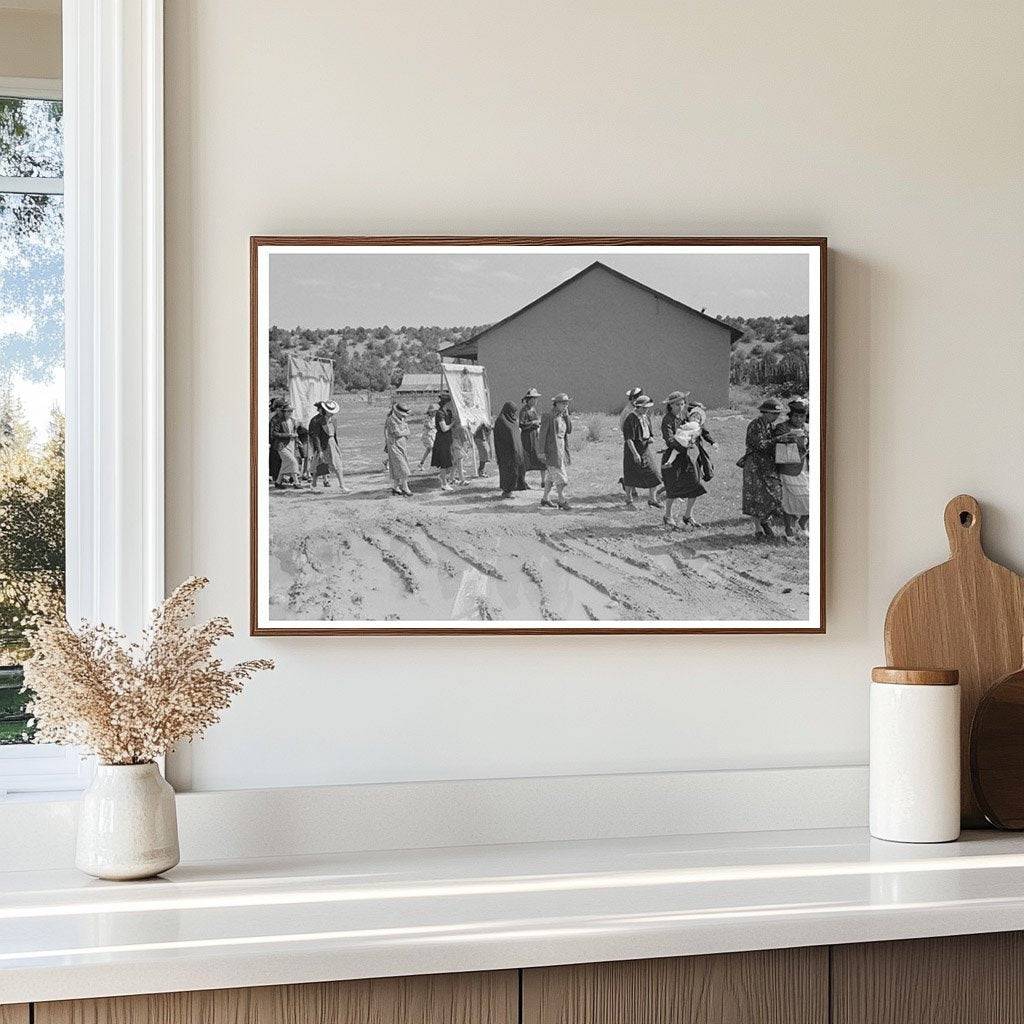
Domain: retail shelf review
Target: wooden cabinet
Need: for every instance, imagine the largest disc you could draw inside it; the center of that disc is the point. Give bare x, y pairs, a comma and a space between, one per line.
491, 998
970, 979
777, 986
963, 979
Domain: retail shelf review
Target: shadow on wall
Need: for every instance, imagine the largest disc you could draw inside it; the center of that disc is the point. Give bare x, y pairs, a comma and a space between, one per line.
854, 286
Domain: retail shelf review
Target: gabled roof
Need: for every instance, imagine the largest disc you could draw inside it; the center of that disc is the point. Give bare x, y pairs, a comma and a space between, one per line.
468, 349
421, 382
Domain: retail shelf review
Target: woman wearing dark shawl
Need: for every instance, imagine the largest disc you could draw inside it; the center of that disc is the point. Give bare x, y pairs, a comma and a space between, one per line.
441, 457
508, 450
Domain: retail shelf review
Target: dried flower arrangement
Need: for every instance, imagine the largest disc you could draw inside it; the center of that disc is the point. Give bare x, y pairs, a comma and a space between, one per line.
129, 703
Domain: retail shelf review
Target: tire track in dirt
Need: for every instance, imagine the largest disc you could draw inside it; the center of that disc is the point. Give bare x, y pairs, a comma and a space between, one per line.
563, 546
688, 589
393, 531
590, 548
611, 562
700, 586
534, 575
397, 565
635, 609
468, 557
738, 581
551, 541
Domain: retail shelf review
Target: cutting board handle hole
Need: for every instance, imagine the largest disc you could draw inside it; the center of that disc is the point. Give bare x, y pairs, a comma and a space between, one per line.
966, 519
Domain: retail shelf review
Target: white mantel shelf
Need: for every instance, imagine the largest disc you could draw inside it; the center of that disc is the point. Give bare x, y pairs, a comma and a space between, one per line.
267, 922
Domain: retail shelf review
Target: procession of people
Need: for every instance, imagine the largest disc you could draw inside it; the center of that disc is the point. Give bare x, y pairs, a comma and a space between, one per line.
774, 464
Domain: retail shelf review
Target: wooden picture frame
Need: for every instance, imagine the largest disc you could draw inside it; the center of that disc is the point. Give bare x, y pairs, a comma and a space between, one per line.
815, 249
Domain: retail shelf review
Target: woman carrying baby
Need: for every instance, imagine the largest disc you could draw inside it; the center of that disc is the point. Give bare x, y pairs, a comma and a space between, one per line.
680, 469
697, 413
639, 463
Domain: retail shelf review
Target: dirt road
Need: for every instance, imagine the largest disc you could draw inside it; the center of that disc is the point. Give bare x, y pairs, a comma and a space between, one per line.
464, 555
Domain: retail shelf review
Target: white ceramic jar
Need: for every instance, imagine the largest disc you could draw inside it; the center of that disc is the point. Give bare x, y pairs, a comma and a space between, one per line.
127, 824
915, 755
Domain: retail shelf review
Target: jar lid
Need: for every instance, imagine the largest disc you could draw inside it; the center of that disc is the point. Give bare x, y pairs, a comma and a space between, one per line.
916, 676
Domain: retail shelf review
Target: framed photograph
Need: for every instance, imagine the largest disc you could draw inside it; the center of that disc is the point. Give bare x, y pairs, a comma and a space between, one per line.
537, 435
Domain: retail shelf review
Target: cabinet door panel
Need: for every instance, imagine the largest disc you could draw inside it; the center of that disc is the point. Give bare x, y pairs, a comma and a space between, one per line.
482, 998
14, 1013
961, 979
778, 986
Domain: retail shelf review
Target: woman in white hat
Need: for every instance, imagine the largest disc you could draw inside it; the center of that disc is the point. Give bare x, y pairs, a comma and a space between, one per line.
529, 429
639, 462
553, 445
396, 430
631, 396
323, 439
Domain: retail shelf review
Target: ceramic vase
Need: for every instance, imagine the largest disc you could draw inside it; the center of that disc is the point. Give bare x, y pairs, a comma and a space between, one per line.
127, 825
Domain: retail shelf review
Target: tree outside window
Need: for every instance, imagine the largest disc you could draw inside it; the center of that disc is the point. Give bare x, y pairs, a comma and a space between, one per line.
32, 556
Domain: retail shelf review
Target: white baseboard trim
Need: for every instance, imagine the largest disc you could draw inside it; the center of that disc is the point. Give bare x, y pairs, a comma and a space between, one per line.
236, 824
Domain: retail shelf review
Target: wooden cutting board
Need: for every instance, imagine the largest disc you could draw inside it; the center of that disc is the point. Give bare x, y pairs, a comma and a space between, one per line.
967, 614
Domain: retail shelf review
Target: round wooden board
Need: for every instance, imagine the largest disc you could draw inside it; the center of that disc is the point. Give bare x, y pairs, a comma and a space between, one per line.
997, 752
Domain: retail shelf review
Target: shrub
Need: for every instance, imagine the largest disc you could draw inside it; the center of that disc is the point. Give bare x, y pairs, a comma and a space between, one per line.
598, 425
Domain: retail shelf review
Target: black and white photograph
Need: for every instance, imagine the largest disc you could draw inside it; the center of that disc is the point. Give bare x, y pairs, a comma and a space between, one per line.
566, 435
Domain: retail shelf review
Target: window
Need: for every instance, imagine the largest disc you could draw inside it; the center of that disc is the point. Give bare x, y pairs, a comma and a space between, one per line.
81, 188
32, 548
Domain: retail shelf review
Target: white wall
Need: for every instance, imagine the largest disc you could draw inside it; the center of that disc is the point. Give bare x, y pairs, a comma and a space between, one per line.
895, 129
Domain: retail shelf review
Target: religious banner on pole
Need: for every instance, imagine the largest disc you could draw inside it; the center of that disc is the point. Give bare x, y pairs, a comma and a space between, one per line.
468, 387
309, 381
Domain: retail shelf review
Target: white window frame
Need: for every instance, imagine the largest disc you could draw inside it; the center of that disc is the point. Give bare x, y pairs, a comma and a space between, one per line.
114, 325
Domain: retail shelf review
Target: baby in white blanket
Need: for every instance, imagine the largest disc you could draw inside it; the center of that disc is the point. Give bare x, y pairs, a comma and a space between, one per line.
688, 432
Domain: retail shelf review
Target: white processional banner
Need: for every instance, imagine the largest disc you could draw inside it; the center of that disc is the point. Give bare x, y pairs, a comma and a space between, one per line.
470, 397
309, 381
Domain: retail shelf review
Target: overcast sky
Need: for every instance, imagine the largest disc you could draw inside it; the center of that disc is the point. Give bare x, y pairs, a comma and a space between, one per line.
454, 290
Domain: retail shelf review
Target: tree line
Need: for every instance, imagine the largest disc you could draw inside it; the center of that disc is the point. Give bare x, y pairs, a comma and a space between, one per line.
364, 358
376, 358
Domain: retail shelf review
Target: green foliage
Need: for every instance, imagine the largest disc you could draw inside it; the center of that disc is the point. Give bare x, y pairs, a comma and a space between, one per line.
14, 719
365, 359
793, 367
772, 356
31, 525
32, 551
